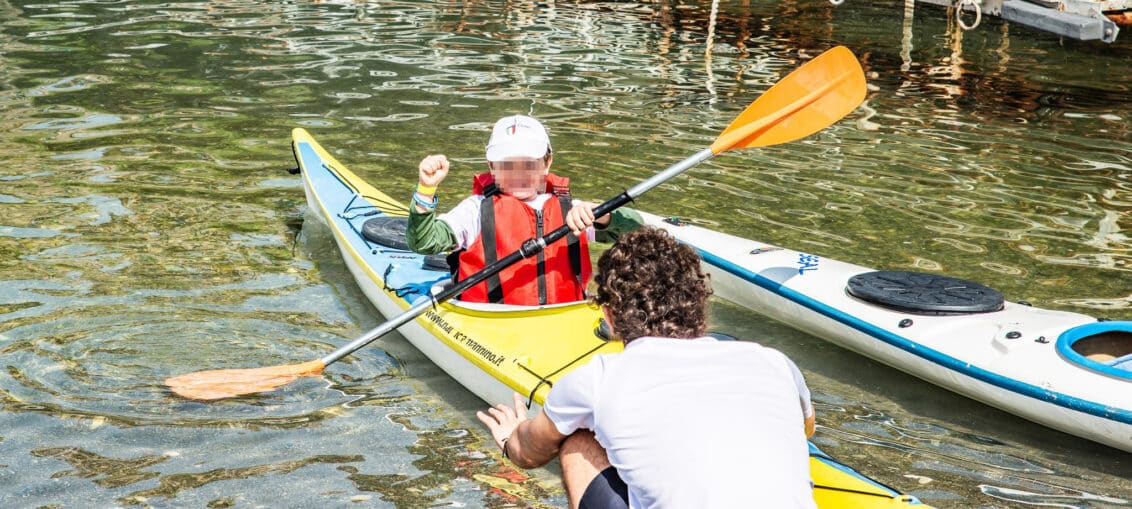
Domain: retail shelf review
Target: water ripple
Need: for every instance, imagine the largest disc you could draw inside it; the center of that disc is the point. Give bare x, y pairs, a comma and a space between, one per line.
149, 231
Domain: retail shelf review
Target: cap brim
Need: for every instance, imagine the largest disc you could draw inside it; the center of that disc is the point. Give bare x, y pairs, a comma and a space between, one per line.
526, 149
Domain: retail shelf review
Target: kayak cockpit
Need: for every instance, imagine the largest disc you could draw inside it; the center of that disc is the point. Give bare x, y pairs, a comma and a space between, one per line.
1104, 347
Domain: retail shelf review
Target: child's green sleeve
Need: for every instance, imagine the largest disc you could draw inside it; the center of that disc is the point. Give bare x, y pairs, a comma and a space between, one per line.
621, 221
428, 235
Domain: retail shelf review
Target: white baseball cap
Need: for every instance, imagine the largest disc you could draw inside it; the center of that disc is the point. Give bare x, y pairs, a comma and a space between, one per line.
517, 136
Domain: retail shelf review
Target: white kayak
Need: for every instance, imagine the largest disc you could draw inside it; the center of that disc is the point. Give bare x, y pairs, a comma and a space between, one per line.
1065, 370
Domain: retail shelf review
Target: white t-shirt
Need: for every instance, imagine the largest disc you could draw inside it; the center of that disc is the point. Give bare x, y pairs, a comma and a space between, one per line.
695, 422
464, 218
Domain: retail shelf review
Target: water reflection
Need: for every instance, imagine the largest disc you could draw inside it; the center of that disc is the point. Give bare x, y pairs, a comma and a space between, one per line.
148, 230
108, 365
171, 485
107, 472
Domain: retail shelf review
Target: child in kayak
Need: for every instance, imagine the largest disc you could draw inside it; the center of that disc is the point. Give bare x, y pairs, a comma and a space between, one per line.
678, 419
517, 199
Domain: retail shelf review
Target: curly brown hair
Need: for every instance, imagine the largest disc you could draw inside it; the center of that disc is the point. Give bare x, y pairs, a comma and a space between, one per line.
652, 285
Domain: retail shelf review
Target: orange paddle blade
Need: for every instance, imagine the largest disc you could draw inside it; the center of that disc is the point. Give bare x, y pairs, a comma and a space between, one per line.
226, 383
806, 101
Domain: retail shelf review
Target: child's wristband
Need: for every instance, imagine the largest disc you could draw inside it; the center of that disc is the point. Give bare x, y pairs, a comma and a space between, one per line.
426, 190
427, 205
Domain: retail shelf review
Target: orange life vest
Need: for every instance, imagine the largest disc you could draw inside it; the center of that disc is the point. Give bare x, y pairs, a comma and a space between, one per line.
557, 274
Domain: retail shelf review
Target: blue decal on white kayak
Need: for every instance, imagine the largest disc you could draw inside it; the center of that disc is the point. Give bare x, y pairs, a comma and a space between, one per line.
1010, 384
807, 262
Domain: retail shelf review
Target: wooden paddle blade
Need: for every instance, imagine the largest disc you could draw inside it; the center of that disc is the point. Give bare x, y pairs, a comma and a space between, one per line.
227, 383
807, 100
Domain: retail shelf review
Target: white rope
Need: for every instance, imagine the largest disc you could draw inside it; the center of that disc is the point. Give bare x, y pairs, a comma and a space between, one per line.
959, 4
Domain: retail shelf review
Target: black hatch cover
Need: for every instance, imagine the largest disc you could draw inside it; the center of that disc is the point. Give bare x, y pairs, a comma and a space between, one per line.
390, 231
918, 292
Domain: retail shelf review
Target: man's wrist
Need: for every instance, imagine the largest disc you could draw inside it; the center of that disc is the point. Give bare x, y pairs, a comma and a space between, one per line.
503, 447
503, 444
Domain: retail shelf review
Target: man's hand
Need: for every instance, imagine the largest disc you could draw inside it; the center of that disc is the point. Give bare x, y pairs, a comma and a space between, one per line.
528, 443
581, 216
432, 170
502, 420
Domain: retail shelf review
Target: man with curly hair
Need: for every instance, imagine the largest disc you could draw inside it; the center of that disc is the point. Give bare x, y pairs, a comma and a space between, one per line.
679, 419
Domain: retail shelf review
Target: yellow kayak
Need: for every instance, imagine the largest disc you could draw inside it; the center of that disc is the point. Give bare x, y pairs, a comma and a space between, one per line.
489, 348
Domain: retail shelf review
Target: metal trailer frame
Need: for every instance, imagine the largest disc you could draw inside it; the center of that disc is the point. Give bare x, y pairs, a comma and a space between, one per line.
1082, 20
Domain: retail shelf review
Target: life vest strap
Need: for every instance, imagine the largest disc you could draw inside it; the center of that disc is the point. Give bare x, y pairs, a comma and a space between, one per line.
490, 251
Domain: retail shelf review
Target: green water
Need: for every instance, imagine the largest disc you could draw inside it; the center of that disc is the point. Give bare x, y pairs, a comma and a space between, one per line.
148, 229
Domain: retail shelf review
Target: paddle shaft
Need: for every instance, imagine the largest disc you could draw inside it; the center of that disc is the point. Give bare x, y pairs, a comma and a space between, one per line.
529, 248
807, 100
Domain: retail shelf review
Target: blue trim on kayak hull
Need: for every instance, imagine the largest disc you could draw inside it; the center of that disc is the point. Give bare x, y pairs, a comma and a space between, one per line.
1010, 384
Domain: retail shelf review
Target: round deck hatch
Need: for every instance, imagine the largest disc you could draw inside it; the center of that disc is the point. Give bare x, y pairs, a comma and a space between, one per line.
922, 293
387, 231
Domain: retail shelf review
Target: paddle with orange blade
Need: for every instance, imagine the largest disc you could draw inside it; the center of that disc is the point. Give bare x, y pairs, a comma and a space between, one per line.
806, 101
